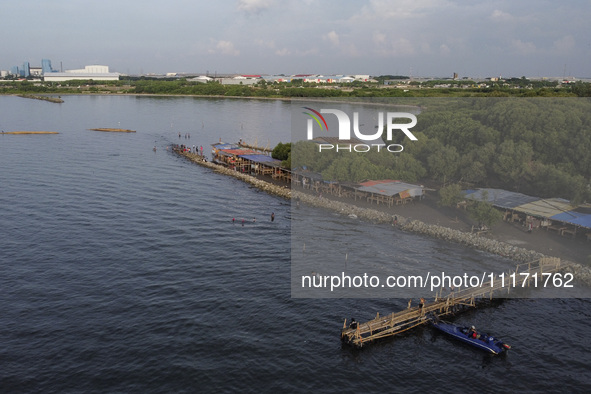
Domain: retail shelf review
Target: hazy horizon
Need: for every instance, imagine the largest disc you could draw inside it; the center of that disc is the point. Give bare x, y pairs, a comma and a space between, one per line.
478, 39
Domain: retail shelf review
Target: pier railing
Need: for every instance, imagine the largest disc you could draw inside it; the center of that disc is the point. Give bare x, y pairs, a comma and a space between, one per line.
360, 334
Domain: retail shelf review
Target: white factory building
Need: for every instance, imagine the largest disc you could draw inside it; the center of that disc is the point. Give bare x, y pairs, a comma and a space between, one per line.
94, 72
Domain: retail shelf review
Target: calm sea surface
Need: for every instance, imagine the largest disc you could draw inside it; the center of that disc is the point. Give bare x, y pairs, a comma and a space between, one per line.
121, 271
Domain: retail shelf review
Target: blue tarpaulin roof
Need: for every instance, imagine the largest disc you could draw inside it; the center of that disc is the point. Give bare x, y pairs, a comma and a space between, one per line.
225, 146
556, 209
580, 219
501, 198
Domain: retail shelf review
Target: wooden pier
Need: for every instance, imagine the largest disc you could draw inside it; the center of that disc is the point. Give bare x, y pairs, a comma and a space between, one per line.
360, 334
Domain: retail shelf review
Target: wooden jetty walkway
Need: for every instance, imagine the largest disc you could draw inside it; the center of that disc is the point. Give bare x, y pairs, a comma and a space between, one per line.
360, 334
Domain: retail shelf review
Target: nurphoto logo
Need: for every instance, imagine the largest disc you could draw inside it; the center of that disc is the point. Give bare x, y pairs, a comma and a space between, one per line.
345, 142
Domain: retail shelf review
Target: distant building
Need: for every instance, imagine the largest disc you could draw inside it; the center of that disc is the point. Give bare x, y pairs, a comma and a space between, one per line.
276, 78
35, 71
94, 69
239, 80
201, 78
93, 72
46, 66
25, 71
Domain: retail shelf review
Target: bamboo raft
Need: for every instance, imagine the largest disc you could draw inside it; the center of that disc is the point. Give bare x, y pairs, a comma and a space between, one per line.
254, 146
113, 130
399, 322
29, 132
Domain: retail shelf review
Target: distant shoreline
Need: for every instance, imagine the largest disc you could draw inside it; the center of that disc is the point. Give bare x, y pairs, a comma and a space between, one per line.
296, 99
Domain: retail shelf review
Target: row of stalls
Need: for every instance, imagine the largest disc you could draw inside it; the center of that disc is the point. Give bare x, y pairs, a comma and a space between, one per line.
250, 161
258, 162
387, 192
551, 214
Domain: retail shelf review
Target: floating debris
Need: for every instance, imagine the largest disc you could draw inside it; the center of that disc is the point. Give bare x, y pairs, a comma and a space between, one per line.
114, 130
29, 132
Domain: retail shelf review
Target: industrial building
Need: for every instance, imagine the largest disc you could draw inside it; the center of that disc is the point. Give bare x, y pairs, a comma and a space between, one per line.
94, 72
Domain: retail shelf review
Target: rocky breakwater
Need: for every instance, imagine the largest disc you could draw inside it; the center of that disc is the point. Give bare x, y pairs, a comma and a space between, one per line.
472, 240
416, 226
281, 191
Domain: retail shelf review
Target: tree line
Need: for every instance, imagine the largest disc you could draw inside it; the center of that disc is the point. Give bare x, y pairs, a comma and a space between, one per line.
297, 88
535, 146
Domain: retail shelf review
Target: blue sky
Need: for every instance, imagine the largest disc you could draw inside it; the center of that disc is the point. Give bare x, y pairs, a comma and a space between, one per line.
476, 38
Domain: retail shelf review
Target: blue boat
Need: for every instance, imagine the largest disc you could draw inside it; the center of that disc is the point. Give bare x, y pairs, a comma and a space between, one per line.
470, 336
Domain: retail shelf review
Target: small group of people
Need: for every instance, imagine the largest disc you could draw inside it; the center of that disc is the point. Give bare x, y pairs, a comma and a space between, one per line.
254, 219
187, 135
197, 149
181, 148
186, 148
421, 304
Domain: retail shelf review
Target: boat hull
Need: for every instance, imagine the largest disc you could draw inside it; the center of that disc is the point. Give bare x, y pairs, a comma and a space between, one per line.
484, 342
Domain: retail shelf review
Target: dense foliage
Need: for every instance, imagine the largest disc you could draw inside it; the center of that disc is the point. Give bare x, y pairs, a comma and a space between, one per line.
520, 87
535, 146
281, 151
483, 212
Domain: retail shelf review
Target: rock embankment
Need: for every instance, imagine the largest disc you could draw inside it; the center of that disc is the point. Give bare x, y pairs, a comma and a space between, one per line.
281, 191
45, 98
472, 240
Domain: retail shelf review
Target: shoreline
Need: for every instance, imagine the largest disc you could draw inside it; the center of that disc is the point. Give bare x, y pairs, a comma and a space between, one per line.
472, 240
354, 100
